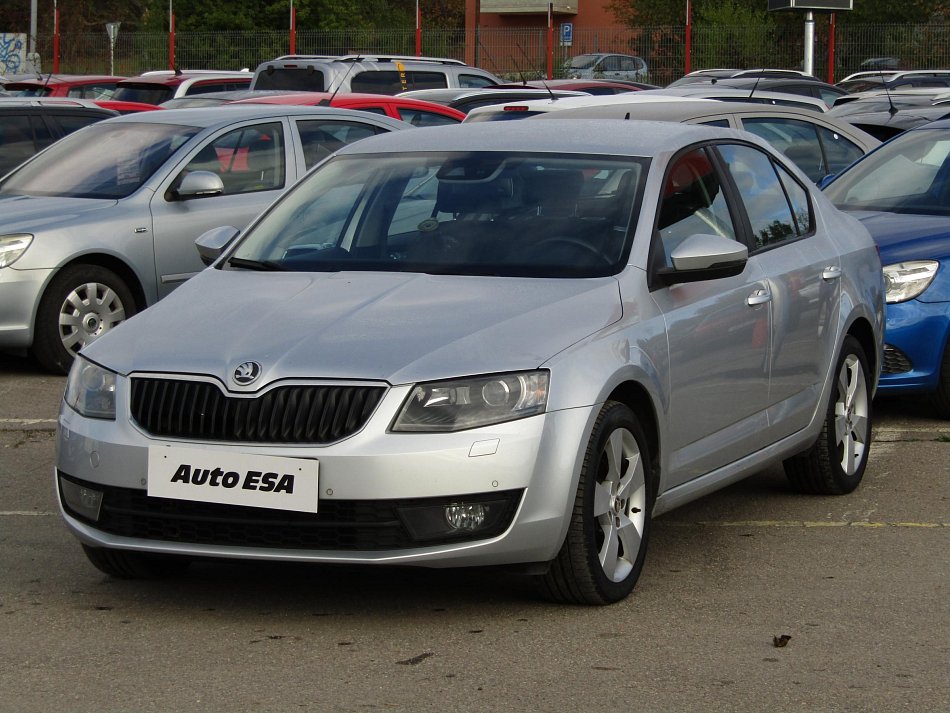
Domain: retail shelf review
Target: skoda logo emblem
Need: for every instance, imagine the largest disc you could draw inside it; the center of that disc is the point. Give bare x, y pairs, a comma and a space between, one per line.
247, 373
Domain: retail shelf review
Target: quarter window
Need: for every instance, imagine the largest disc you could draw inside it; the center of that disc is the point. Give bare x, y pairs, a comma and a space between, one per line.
320, 138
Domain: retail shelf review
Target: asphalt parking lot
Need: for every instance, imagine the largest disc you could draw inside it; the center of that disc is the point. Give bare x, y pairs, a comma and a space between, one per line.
857, 584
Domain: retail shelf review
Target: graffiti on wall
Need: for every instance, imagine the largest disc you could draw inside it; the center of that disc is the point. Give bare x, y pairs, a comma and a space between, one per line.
12, 53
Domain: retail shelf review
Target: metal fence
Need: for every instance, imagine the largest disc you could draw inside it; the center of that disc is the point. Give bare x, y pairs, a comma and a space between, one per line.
516, 53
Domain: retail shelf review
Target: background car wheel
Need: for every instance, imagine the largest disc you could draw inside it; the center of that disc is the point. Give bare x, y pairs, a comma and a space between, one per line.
606, 543
941, 398
835, 464
125, 564
82, 303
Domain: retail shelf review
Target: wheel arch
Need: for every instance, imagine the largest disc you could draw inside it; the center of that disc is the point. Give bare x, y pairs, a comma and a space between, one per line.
862, 330
116, 265
637, 398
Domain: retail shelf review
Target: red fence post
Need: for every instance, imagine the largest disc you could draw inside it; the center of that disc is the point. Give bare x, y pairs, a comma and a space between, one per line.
689, 39
550, 40
831, 49
418, 30
171, 43
293, 30
56, 40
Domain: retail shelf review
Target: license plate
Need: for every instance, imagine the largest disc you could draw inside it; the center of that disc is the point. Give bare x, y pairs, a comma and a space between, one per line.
214, 476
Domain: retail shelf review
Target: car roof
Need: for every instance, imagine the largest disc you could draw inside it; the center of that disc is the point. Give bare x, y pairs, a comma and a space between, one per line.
214, 116
714, 91
587, 100
170, 78
573, 84
56, 79
569, 136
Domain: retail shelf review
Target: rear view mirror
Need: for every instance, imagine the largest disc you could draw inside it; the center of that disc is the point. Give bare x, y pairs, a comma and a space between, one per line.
200, 184
213, 242
705, 257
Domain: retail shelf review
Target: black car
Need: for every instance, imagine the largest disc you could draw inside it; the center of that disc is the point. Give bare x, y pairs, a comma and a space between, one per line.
801, 86
29, 126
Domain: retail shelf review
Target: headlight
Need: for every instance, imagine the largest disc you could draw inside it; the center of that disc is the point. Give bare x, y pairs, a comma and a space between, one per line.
12, 247
905, 280
469, 403
90, 390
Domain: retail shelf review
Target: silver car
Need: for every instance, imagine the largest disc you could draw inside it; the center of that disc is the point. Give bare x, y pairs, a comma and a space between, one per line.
486, 344
102, 224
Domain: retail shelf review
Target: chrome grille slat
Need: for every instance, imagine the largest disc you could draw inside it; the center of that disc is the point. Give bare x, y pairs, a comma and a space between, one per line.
179, 408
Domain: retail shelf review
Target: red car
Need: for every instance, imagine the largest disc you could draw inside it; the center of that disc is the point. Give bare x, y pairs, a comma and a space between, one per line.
157, 87
412, 111
76, 86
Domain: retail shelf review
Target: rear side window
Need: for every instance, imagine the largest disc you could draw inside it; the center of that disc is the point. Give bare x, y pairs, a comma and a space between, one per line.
74, 121
474, 81
247, 160
418, 117
320, 137
146, 93
839, 151
219, 86
16, 141
92, 91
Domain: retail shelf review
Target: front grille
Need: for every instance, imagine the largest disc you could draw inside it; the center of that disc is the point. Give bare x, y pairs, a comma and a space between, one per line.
339, 525
286, 414
895, 361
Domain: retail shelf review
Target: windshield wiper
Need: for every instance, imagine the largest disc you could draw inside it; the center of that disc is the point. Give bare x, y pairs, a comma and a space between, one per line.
261, 265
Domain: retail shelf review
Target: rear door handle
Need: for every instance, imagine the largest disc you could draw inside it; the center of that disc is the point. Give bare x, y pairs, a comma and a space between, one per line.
759, 297
831, 273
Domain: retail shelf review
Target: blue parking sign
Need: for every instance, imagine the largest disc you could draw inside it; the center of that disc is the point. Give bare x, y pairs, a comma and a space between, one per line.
567, 34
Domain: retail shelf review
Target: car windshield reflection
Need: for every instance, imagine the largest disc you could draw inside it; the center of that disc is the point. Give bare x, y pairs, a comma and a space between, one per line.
480, 213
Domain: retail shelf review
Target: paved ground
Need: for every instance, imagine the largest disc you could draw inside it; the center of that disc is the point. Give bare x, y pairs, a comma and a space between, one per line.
858, 583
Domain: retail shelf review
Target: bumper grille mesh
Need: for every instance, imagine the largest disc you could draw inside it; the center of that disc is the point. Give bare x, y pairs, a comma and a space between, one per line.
895, 361
286, 414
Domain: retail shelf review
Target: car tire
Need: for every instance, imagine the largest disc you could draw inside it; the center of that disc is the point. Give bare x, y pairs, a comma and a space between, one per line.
603, 552
941, 397
126, 564
81, 303
835, 464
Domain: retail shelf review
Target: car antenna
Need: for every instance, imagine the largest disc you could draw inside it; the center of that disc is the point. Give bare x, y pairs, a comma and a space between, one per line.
328, 102
892, 110
755, 85
540, 79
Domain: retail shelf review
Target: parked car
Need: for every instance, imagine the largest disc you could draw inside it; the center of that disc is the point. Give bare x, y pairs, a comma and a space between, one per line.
464, 100
816, 143
160, 86
721, 92
704, 75
916, 78
412, 111
76, 86
27, 126
516, 110
102, 223
596, 87
886, 115
604, 65
483, 345
796, 86
901, 193
374, 74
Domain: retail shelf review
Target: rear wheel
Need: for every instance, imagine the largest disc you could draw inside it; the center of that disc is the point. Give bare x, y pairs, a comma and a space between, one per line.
82, 303
835, 464
602, 555
126, 564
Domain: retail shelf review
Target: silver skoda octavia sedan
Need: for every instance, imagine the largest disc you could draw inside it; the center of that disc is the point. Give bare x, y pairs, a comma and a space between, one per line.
495, 344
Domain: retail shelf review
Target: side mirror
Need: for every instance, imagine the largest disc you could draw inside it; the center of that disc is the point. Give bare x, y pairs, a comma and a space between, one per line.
212, 243
200, 184
705, 257
825, 180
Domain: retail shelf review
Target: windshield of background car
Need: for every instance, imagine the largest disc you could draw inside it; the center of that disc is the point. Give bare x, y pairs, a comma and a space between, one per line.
100, 161
479, 213
145, 93
908, 175
583, 61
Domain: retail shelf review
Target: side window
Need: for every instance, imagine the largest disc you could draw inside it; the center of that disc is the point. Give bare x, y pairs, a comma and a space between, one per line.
426, 80
610, 64
692, 202
627, 64
797, 139
798, 198
418, 117
92, 91
76, 120
474, 81
16, 141
320, 137
839, 152
724, 123
762, 194
376, 82
248, 159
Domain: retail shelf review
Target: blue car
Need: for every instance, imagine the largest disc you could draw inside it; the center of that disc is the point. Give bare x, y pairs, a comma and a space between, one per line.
901, 192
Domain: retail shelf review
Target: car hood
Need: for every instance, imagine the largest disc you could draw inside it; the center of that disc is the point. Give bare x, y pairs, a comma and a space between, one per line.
901, 236
395, 327
33, 213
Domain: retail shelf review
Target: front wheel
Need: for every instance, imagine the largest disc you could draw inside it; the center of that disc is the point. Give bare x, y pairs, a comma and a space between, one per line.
82, 303
602, 555
835, 464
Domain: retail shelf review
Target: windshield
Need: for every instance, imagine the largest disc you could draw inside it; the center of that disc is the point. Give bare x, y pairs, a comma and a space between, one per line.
104, 160
482, 213
583, 61
907, 175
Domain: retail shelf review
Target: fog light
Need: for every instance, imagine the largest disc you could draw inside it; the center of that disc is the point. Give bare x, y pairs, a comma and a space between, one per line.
83, 501
465, 517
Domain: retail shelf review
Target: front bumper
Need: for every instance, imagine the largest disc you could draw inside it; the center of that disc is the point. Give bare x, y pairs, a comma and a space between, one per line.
526, 469
916, 337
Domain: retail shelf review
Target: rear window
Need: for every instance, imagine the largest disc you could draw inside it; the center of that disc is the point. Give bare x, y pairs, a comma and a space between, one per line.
147, 93
393, 82
27, 90
306, 79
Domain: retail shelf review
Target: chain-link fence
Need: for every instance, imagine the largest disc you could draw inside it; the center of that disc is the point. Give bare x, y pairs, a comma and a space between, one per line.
517, 53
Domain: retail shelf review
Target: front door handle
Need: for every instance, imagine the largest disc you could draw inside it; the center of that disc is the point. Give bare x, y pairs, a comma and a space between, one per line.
831, 273
759, 297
